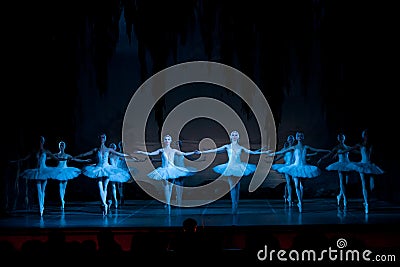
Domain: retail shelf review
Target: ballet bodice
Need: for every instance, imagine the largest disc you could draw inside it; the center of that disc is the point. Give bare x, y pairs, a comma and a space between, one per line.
299, 155
167, 159
114, 161
234, 154
102, 158
42, 157
343, 157
288, 157
365, 155
62, 164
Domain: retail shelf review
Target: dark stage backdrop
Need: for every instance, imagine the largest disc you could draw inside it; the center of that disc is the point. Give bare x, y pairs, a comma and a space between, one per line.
323, 66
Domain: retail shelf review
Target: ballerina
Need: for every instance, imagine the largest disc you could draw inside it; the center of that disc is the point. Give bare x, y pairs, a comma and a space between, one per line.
300, 169
118, 180
65, 172
168, 170
343, 166
41, 173
234, 169
288, 159
103, 170
365, 166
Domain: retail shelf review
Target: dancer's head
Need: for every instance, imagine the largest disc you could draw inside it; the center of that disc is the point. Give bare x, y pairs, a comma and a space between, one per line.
61, 145
290, 139
103, 137
113, 146
42, 140
167, 140
234, 136
299, 136
364, 134
341, 137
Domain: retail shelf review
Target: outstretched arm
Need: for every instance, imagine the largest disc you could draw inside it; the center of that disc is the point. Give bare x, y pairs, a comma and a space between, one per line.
215, 150
280, 152
318, 149
119, 154
330, 153
91, 152
256, 152
180, 153
21, 159
350, 149
51, 155
154, 153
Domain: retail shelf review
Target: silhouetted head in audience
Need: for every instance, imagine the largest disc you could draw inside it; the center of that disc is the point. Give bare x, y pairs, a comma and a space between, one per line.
190, 225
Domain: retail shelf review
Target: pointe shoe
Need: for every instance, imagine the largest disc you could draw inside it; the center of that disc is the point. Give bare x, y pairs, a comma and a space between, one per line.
41, 211
62, 204
116, 205
300, 207
338, 199
104, 209
344, 202
366, 208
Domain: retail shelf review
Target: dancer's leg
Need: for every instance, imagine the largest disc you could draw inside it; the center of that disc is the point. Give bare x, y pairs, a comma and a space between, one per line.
114, 193
288, 189
299, 192
39, 192
364, 191
235, 192
121, 193
103, 195
63, 186
168, 193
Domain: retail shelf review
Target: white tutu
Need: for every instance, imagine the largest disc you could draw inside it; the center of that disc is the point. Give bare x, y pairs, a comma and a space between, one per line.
301, 171
170, 172
369, 168
278, 166
105, 171
65, 172
42, 173
342, 166
238, 169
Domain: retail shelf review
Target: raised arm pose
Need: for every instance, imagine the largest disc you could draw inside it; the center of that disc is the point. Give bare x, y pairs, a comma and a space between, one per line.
65, 172
103, 170
343, 166
365, 167
118, 180
168, 170
234, 169
41, 172
300, 169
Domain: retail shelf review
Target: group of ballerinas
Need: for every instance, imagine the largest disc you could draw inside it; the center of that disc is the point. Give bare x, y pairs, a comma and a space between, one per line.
110, 167
295, 167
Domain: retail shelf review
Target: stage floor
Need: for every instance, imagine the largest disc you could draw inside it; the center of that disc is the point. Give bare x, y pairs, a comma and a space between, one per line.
251, 212
84, 220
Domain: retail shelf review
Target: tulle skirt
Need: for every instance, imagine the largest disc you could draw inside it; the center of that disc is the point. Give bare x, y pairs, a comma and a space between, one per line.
40, 173
342, 166
67, 173
301, 171
276, 167
104, 171
171, 172
369, 168
236, 169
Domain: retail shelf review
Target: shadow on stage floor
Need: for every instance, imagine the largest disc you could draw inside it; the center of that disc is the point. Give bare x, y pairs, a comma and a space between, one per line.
258, 222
